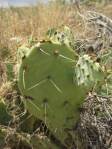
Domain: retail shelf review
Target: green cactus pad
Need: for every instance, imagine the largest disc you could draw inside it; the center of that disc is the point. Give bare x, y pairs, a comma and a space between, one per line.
46, 81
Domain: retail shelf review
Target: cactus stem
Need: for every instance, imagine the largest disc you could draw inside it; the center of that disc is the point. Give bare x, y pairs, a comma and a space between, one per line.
67, 58
44, 52
37, 84
54, 84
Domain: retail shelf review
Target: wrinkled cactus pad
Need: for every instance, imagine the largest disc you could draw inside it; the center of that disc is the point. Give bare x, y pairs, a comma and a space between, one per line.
46, 81
62, 35
87, 72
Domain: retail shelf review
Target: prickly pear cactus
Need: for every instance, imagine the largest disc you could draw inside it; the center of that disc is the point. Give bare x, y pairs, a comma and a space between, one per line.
53, 85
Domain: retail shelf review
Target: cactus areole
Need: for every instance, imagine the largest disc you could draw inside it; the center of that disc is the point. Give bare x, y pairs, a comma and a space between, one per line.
46, 81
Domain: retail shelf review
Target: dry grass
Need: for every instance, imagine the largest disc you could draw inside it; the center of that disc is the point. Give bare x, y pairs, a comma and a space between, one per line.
23, 22
35, 21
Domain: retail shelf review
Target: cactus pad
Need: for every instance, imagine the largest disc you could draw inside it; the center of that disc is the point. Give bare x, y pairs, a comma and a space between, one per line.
87, 72
62, 35
46, 81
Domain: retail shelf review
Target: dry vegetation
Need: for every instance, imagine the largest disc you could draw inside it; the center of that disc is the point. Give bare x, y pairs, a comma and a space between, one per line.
20, 23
